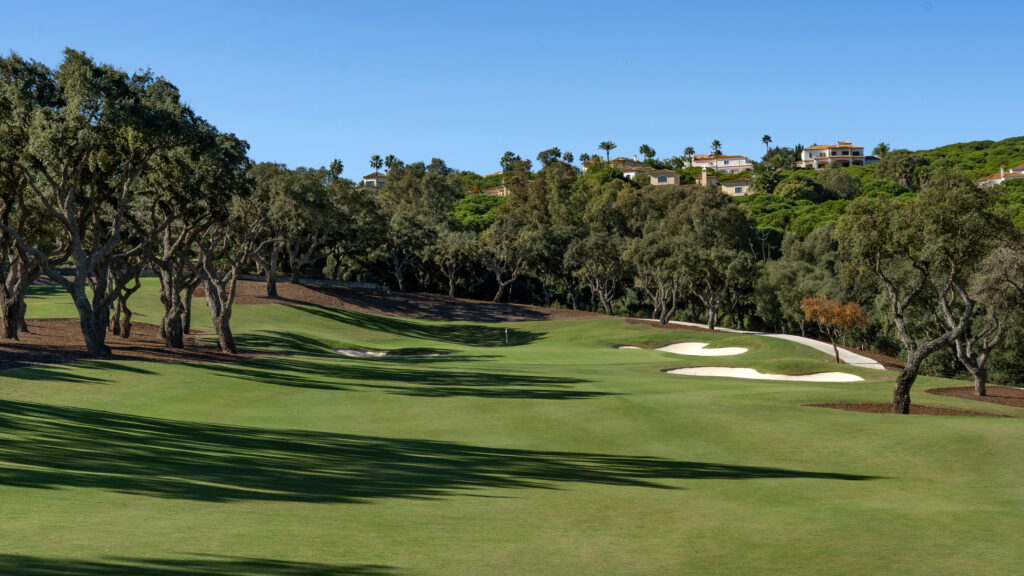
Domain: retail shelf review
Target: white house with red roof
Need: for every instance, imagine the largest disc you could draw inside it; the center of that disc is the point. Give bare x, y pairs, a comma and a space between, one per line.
728, 164
1002, 176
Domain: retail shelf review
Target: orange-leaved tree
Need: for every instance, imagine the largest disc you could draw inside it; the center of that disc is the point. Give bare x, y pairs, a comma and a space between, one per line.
833, 317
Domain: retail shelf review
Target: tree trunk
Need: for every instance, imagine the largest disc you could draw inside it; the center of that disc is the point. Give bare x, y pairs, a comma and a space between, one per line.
270, 272
451, 286
547, 295
225, 339
980, 380
126, 322
605, 303
22, 312
115, 319
501, 292
712, 317
93, 323
219, 301
901, 393
186, 318
12, 320
835, 348
398, 266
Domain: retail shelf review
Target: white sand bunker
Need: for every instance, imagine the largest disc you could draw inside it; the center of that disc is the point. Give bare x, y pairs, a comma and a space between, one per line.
698, 349
624, 347
356, 353
751, 374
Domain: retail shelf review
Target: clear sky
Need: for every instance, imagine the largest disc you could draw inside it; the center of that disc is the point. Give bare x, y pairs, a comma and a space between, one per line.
305, 82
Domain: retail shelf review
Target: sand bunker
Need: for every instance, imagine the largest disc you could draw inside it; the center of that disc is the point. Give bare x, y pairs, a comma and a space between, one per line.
356, 353
698, 349
751, 374
623, 347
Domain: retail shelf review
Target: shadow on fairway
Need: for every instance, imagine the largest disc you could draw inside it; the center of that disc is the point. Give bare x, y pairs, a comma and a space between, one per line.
50, 447
91, 372
203, 566
453, 333
295, 344
407, 377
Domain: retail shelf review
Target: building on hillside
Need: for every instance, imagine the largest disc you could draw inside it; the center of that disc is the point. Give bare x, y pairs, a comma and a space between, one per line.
722, 163
842, 154
1002, 176
663, 178
708, 178
500, 190
622, 163
630, 172
375, 180
736, 187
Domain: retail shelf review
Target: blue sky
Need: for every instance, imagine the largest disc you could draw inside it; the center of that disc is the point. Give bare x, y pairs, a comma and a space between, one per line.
305, 82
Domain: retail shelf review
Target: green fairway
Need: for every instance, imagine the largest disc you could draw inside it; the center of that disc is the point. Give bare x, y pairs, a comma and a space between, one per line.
554, 454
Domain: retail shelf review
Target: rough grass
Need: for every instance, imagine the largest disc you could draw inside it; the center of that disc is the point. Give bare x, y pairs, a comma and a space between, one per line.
553, 455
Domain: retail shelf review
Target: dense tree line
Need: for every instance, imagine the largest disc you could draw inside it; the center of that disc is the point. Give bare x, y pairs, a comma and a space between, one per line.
105, 176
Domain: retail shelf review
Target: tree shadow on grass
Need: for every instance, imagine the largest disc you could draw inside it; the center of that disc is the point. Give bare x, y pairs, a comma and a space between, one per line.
408, 377
202, 566
295, 344
450, 332
89, 372
50, 447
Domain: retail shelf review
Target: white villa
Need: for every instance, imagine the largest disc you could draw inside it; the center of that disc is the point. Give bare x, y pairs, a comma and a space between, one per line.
722, 163
844, 154
1002, 176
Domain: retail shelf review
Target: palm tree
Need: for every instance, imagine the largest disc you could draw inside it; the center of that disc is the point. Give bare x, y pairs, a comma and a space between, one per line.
584, 157
716, 147
688, 152
376, 162
567, 157
881, 150
647, 151
607, 146
389, 161
767, 140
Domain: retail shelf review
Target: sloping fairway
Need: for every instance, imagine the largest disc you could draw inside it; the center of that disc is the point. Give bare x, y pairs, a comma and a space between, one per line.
553, 454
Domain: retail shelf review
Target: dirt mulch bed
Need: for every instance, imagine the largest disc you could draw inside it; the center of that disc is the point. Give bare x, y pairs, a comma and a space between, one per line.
401, 304
889, 362
58, 341
884, 408
1005, 395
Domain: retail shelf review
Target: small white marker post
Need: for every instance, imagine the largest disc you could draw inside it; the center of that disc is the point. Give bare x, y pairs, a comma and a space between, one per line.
506, 336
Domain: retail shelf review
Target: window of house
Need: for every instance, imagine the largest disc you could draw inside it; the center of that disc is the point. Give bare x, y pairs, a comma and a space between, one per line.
737, 190
662, 179
726, 162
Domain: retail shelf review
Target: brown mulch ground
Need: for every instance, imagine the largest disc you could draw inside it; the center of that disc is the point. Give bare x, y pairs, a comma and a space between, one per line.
885, 408
401, 304
889, 362
1005, 395
57, 341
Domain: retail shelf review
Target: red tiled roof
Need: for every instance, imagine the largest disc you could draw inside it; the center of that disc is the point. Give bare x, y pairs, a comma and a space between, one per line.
374, 175
997, 176
709, 156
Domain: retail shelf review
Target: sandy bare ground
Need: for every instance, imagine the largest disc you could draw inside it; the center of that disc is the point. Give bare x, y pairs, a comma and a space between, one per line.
700, 349
751, 374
